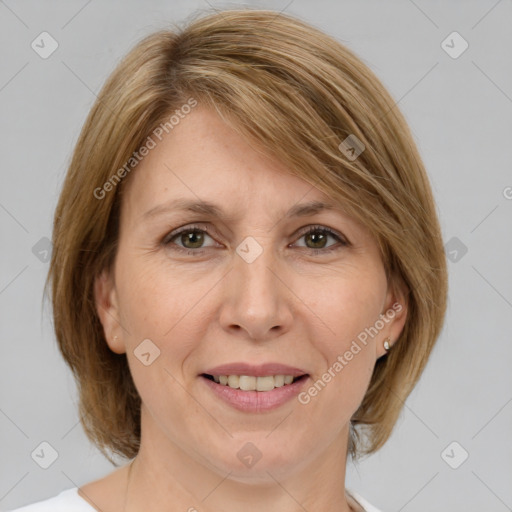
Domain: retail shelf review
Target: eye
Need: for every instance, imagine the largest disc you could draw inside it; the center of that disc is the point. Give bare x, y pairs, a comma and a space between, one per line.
317, 237
190, 239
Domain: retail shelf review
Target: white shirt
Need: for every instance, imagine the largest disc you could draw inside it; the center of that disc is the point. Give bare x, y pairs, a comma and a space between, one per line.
70, 501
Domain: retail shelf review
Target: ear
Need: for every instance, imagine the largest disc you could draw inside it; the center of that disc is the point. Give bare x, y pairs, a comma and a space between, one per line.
105, 298
393, 314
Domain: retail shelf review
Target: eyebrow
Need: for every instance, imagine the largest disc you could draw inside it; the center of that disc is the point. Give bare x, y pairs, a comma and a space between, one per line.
212, 210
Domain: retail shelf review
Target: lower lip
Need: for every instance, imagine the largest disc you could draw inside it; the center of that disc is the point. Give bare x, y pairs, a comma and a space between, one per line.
256, 401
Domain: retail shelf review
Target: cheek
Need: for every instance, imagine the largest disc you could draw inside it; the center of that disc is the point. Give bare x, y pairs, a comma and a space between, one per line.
158, 305
348, 307
168, 308
347, 303
155, 298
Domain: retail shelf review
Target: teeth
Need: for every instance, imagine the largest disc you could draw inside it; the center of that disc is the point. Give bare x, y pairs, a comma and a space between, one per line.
252, 383
246, 382
278, 381
233, 381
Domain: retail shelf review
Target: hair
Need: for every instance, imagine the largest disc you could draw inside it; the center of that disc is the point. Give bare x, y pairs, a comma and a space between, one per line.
296, 92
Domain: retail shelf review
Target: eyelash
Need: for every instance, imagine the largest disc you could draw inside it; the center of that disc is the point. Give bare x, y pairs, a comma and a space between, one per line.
203, 229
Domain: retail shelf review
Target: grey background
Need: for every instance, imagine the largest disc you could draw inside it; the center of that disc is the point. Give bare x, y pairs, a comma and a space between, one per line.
459, 111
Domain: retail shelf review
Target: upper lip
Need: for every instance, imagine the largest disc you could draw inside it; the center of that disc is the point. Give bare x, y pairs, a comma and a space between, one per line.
256, 370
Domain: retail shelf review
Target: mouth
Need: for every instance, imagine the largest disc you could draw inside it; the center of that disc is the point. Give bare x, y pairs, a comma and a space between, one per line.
262, 383
255, 393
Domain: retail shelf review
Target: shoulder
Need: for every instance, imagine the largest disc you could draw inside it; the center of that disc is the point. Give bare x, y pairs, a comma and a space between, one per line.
367, 507
67, 501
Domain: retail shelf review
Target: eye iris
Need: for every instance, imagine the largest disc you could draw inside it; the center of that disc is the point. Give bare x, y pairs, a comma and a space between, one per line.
319, 236
195, 237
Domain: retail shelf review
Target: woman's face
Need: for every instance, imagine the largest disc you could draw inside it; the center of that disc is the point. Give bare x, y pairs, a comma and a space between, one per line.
248, 286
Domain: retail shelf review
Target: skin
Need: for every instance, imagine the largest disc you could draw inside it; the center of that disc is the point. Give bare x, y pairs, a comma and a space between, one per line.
289, 306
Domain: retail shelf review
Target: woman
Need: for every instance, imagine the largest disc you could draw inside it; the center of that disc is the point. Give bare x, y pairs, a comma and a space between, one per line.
248, 274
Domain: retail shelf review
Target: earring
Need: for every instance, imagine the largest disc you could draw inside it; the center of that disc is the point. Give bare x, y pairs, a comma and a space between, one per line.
387, 346
115, 339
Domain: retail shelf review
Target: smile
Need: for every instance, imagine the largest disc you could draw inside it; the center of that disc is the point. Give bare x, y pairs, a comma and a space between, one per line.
254, 394
253, 383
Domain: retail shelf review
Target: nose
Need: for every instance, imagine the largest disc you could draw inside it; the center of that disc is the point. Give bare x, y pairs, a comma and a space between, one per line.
257, 298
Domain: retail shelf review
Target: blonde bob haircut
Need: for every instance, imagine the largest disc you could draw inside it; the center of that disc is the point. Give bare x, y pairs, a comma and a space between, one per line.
297, 93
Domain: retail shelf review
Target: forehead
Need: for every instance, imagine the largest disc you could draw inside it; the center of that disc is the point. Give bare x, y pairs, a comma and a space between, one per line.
204, 159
